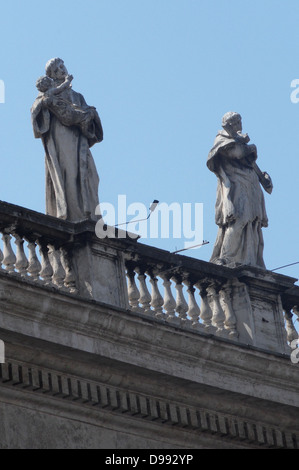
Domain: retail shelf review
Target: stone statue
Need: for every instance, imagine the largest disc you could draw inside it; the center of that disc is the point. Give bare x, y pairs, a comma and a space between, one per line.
68, 128
240, 205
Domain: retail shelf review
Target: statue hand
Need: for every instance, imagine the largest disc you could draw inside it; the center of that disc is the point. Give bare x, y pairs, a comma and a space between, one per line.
246, 138
243, 138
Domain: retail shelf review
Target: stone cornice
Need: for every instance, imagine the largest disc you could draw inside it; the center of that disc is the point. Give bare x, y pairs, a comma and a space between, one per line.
44, 385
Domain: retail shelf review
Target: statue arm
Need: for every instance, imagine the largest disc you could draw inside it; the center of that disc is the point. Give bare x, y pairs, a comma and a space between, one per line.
60, 88
64, 86
240, 151
248, 153
98, 137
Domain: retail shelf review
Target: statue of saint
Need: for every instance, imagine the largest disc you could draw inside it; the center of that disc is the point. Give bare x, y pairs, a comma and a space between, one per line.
68, 128
240, 204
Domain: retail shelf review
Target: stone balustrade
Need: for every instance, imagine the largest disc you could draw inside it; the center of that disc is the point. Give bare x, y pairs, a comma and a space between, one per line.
248, 305
170, 292
230, 303
35, 250
44, 263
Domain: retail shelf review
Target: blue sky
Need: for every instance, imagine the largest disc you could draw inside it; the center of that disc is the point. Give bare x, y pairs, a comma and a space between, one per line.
161, 74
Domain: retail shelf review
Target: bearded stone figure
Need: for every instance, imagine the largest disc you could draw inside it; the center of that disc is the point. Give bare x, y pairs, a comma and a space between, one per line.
68, 128
240, 204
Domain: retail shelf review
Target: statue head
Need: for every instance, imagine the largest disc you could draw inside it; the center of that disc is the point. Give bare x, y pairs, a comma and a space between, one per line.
232, 120
44, 83
56, 69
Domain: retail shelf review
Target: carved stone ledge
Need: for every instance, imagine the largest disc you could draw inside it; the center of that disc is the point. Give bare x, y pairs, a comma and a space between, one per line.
100, 396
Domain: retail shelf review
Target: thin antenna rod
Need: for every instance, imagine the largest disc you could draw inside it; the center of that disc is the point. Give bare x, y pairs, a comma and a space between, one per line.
194, 246
152, 208
292, 264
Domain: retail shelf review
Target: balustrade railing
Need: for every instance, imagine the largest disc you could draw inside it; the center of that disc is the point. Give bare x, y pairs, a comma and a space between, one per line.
195, 294
167, 290
47, 264
34, 250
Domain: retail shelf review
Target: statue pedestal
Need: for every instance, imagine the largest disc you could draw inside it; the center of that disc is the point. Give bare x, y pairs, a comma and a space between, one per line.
99, 266
256, 300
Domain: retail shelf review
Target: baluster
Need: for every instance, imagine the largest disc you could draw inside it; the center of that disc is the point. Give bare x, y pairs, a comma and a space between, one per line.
193, 309
218, 314
46, 272
169, 303
226, 304
21, 259
9, 257
292, 333
58, 271
133, 292
157, 299
34, 266
206, 313
145, 297
181, 304
70, 279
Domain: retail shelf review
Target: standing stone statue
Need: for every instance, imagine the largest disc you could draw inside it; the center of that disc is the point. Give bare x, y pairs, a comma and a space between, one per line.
68, 128
240, 205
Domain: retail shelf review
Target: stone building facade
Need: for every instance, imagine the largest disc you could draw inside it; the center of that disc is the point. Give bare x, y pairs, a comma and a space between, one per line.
112, 344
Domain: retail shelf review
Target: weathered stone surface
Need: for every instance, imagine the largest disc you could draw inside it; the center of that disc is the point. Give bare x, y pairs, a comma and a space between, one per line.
240, 205
68, 127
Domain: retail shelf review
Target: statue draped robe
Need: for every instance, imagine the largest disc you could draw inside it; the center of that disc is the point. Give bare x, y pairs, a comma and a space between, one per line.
240, 206
71, 177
